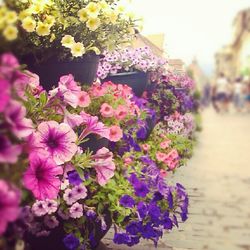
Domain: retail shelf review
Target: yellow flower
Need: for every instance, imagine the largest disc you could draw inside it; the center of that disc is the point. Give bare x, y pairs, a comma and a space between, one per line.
96, 50
25, 13
36, 8
68, 41
93, 23
120, 9
11, 17
52, 38
103, 5
83, 15
93, 9
29, 24
77, 49
112, 16
10, 33
50, 20
42, 29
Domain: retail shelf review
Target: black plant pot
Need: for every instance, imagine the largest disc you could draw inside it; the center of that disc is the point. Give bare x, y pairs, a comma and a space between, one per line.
94, 143
137, 80
50, 71
55, 240
150, 125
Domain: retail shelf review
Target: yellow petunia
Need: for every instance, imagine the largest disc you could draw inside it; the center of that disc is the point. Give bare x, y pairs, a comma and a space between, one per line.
23, 14
68, 41
29, 24
11, 17
83, 15
120, 9
36, 8
10, 33
50, 20
93, 9
112, 16
42, 29
93, 23
103, 5
77, 50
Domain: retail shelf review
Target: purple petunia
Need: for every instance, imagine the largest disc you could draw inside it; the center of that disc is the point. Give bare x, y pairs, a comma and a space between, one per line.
127, 201
74, 178
71, 242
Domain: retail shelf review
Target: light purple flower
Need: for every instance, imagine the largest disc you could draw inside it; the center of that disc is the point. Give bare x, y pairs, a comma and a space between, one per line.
39, 208
51, 222
15, 116
62, 214
69, 196
76, 211
4, 94
8, 152
58, 140
52, 206
79, 192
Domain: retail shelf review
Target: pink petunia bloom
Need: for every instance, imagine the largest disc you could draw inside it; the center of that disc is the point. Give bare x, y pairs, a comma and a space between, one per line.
115, 133
160, 156
15, 116
145, 147
4, 94
127, 161
172, 159
73, 120
121, 112
9, 208
104, 165
106, 110
58, 140
165, 144
163, 173
8, 65
109, 85
79, 192
83, 99
69, 82
8, 152
41, 177
97, 90
93, 126
76, 211
39, 208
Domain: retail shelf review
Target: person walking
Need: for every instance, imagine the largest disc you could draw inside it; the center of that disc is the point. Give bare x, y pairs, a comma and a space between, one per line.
247, 98
238, 94
222, 93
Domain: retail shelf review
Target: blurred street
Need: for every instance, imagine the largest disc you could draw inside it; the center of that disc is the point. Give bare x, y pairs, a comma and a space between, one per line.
218, 182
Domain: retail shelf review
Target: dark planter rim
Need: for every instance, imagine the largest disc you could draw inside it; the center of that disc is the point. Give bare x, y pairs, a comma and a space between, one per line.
127, 73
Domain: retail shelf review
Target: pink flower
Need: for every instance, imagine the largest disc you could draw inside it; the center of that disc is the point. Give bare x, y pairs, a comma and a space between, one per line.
115, 133
165, 144
9, 208
109, 85
69, 82
93, 126
145, 147
76, 211
41, 177
97, 90
79, 192
8, 152
83, 99
15, 116
8, 65
58, 140
4, 94
73, 120
173, 154
172, 159
52, 206
160, 156
121, 112
106, 110
51, 222
127, 161
39, 208
69, 196
104, 165
163, 173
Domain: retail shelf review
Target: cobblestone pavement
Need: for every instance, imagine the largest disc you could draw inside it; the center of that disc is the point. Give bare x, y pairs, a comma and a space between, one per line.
218, 182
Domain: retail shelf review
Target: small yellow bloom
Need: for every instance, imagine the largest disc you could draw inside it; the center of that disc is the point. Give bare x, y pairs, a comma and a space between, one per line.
11, 17
93, 23
29, 24
42, 29
120, 9
83, 15
10, 33
68, 41
52, 38
36, 8
112, 16
50, 20
77, 49
25, 13
93, 9
103, 5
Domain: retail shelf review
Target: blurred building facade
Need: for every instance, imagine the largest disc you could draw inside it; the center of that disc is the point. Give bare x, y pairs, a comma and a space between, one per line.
234, 59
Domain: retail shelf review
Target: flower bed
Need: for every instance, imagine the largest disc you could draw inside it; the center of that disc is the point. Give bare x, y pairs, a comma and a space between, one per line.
58, 188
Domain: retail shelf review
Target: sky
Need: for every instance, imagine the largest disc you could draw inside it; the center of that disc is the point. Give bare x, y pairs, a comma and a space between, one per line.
192, 28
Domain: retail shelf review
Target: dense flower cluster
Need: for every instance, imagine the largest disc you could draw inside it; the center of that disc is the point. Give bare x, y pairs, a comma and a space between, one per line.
62, 28
129, 59
78, 190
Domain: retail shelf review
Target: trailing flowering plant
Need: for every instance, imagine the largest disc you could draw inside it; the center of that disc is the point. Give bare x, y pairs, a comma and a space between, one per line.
65, 29
129, 59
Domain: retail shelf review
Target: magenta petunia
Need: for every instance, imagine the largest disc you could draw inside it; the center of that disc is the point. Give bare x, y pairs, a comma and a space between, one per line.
15, 116
41, 177
8, 152
58, 140
9, 205
104, 165
4, 94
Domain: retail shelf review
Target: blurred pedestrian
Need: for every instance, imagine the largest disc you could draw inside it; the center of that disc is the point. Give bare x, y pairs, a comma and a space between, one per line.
247, 97
222, 93
238, 94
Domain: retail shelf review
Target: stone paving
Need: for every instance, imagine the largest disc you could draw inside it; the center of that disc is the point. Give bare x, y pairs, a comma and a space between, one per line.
218, 182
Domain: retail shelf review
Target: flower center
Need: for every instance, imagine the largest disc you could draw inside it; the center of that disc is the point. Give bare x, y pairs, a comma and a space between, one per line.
39, 174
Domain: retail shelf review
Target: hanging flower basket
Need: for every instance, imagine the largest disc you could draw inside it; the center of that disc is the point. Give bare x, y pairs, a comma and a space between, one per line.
50, 71
137, 80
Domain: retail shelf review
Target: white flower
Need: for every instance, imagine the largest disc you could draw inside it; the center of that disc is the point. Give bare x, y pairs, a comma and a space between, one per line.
77, 49
68, 41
